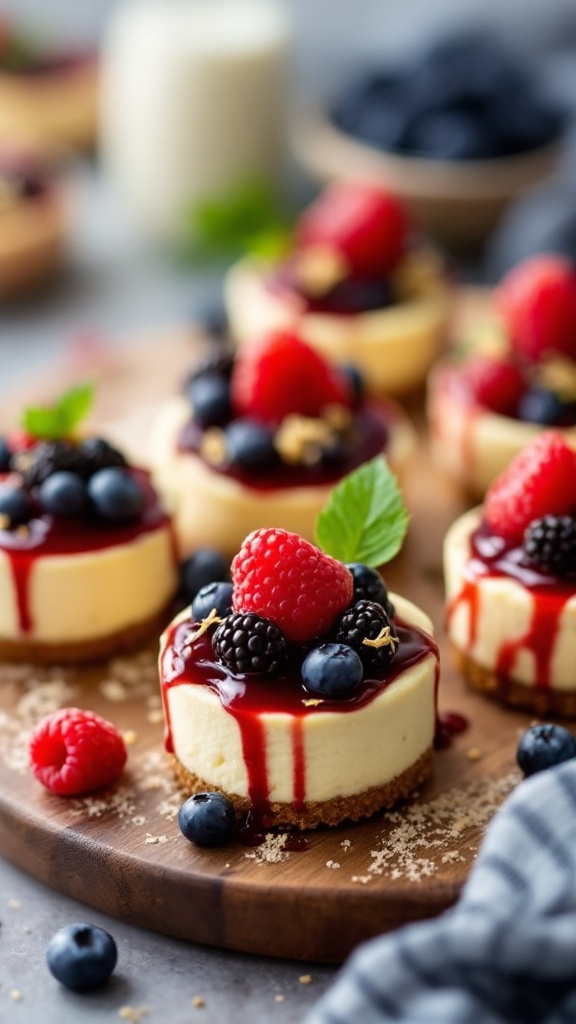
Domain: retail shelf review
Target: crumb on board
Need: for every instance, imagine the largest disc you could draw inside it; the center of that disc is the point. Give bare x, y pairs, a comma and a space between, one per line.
332, 864
154, 840
473, 753
198, 1002
130, 737
305, 979
271, 851
362, 879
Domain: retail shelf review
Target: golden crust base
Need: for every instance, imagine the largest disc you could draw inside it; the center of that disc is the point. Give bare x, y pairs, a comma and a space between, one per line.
121, 642
329, 812
31, 246
541, 701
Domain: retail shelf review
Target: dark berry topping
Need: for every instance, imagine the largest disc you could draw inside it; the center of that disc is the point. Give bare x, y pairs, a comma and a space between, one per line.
81, 956
544, 746
116, 495
550, 544
250, 446
214, 596
63, 494
207, 819
368, 630
211, 316
332, 670
38, 463
209, 396
369, 586
248, 643
356, 379
541, 406
201, 568
218, 363
15, 507
5, 456
97, 454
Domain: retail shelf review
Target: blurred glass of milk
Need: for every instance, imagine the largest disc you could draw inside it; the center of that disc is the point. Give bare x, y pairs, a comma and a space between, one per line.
193, 104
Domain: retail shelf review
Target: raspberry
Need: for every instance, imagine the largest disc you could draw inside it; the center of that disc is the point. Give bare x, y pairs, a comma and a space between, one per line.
498, 384
537, 300
280, 375
285, 578
367, 620
74, 751
541, 480
248, 643
550, 544
362, 222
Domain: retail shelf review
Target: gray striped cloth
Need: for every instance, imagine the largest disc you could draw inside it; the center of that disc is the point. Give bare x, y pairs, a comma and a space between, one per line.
506, 953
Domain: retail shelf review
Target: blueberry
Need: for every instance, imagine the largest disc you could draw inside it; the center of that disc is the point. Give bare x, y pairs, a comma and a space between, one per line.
15, 505
450, 135
369, 586
211, 316
544, 746
213, 595
356, 380
63, 494
202, 567
81, 956
250, 445
207, 819
209, 396
5, 456
541, 406
332, 670
116, 495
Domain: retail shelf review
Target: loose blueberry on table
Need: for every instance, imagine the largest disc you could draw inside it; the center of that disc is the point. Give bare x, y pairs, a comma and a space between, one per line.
207, 819
81, 956
544, 746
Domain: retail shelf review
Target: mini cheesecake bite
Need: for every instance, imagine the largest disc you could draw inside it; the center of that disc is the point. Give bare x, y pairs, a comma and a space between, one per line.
304, 702
355, 285
261, 437
515, 377
87, 559
510, 573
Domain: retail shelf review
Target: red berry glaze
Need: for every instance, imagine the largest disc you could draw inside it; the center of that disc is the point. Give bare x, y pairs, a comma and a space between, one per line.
280, 374
362, 222
540, 481
498, 384
537, 300
74, 751
286, 579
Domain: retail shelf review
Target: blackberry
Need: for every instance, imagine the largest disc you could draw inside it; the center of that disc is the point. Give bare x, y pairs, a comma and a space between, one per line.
38, 463
369, 586
550, 544
219, 363
248, 643
367, 620
97, 454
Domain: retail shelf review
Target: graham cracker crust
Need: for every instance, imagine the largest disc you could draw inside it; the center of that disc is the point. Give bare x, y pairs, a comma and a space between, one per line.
542, 701
121, 642
329, 812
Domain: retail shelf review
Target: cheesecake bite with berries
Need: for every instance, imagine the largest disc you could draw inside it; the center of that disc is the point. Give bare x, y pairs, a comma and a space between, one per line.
515, 378
356, 286
303, 691
510, 573
32, 222
261, 437
87, 559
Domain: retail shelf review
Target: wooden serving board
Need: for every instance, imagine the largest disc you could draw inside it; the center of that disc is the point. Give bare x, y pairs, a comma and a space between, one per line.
121, 851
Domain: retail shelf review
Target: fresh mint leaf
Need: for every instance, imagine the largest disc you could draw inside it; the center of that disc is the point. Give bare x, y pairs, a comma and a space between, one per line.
365, 519
247, 220
53, 422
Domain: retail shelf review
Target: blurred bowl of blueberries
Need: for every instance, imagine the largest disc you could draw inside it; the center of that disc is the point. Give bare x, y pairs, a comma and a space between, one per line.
458, 131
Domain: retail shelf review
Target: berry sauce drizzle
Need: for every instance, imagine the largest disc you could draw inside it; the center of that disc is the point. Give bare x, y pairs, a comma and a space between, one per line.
49, 536
492, 557
248, 698
371, 428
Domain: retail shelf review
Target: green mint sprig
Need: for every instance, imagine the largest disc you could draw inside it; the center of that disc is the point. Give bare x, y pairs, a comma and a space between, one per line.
53, 422
365, 519
248, 219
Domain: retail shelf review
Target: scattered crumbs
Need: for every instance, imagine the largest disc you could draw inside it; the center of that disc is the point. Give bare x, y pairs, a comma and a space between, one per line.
305, 979
333, 864
271, 851
121, 803
422, 834
346, 845
15, 995
134, 1013
169, 808
279, 998
45, 690
362, 879
113, 691
155, 716
138, 819
130, 737
153, 840
152, 782
198, 1002
14, 904
473, 754
451, 857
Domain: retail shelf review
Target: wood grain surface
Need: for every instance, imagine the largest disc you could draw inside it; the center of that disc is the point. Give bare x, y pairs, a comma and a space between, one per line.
121, 851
